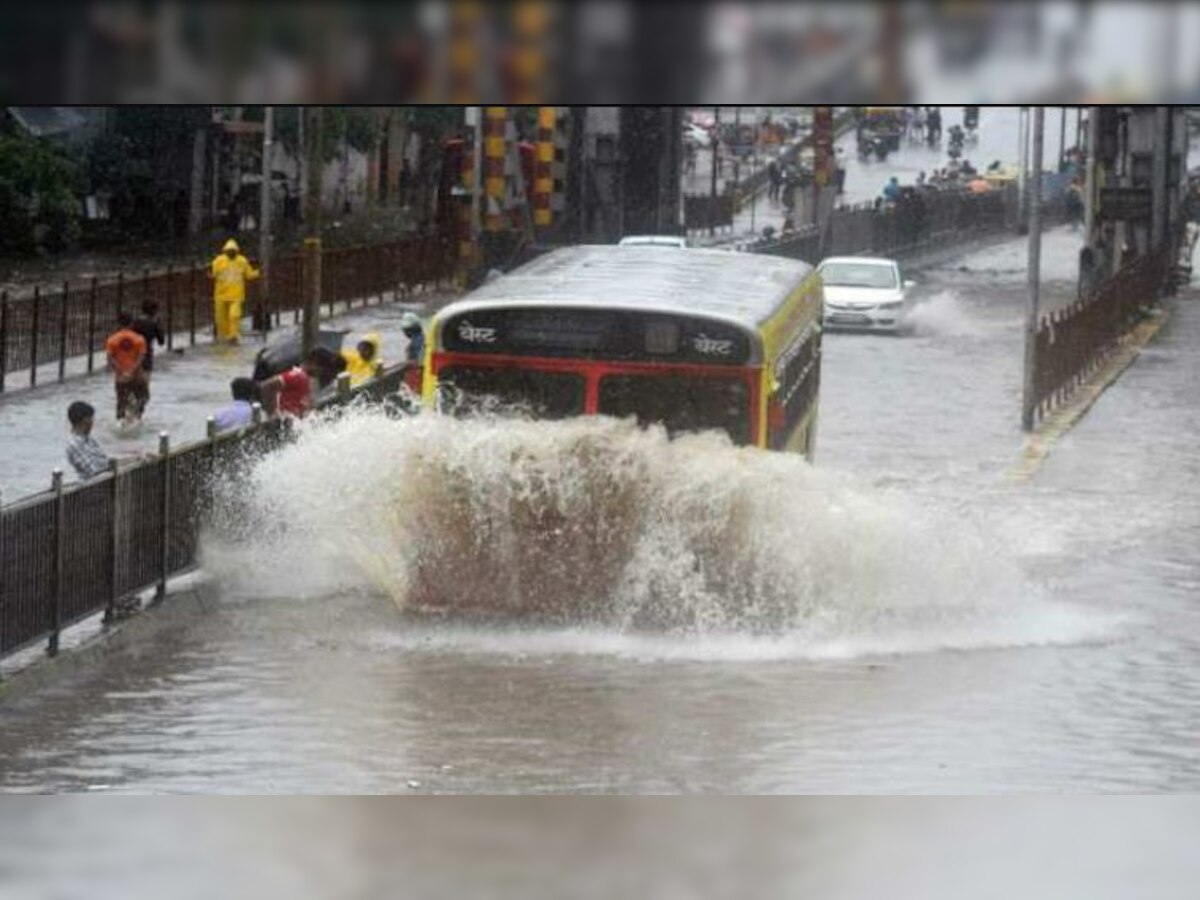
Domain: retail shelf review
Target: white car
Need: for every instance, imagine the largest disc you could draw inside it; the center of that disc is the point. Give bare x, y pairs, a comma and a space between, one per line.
654, 240
864, 293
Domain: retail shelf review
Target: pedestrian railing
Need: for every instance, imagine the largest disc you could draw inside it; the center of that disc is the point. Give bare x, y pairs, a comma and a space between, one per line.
1070, 344
923, 220
708, 211
53, 325
79, 550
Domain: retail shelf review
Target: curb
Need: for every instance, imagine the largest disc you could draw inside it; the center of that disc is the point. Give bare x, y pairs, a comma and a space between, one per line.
1062, 420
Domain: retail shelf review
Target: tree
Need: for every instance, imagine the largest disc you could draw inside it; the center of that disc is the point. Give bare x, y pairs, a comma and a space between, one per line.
39, 204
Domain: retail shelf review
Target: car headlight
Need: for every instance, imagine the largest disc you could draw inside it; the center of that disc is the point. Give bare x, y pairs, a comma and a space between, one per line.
894, 305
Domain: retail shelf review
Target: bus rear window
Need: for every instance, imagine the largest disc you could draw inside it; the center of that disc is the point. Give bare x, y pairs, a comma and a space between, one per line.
547, 395
680, 402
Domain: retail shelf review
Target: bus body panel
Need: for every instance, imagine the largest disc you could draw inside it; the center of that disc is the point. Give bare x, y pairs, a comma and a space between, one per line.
781, 368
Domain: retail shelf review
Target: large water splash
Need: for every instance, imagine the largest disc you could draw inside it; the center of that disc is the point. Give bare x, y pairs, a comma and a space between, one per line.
598, 525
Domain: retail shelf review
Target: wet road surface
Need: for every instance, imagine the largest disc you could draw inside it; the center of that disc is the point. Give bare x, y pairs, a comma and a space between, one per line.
959, 633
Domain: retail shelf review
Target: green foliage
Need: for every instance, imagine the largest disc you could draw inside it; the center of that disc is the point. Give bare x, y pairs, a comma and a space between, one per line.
38, 200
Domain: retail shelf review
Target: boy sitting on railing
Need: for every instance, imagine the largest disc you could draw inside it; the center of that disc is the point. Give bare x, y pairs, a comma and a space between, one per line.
84, 453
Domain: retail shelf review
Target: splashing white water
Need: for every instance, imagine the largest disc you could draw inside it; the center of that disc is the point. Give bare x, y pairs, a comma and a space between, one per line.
618, 535
945, 315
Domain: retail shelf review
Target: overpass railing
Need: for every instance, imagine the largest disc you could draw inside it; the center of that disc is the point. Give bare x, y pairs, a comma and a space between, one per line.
79, 550
935, 218
53, 325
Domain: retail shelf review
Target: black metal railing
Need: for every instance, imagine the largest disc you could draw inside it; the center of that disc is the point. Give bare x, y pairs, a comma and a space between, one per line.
1071, 343
921, 221
78, 550
71, 321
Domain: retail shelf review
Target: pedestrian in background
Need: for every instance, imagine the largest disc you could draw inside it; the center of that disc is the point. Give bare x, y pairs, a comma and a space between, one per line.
229, 272
149, 326
411, 326
240, 412
126, 352
291, 393
364, 362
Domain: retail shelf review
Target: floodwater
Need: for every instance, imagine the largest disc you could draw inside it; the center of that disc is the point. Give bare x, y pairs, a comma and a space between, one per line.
901, 617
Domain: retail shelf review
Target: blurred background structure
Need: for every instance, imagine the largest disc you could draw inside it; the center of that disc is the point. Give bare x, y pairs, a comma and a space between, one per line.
601, 52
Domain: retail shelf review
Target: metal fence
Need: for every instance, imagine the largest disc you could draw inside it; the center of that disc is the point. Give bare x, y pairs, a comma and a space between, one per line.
78, 550
1071, 343
922, 221
51, 326
708, 211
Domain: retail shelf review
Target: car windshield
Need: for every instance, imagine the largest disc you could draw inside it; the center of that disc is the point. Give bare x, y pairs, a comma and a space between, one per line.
870, 275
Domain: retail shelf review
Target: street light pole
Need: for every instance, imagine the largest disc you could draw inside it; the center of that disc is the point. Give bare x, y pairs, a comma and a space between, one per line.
264, 223
715, 144
312, 223
1033, 311
1022, 166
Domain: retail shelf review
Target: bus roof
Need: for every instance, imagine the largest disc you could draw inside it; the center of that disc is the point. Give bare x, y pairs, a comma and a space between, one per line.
746, 288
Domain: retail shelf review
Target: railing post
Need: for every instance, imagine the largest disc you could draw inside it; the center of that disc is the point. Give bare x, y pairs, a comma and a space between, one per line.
62, 332
2, 539
164, 453
59, 544
33, 337
114, 537
192, 279
3, 337
91, 326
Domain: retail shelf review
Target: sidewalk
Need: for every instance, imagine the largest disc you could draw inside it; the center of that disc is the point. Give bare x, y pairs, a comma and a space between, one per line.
188, 386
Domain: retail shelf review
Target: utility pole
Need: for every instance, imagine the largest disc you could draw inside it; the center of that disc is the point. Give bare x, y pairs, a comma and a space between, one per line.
1022, 167
476, 120
263, 314
1062, 136
737, 139
312, 224
715, 143
1091, 187
1033, 312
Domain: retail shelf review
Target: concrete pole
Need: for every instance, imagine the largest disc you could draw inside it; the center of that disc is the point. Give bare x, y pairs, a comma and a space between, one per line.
1035, 263
264, 222
1158, 187
715, 146
1090, 186
1022, 168
477, 167
1062, 136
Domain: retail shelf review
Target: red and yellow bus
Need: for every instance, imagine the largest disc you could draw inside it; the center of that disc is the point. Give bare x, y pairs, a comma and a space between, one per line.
691, 339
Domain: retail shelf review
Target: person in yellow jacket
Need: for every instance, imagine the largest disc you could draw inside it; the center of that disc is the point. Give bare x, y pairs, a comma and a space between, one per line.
230, 271
364, 363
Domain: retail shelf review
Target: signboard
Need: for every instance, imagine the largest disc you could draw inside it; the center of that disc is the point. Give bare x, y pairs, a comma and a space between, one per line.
1125, 204
590, 333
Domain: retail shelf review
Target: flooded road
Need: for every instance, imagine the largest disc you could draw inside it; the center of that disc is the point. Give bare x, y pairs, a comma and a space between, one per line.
900, 618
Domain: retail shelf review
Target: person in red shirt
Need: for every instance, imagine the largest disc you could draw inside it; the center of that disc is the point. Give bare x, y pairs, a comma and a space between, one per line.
292, 393
126, 351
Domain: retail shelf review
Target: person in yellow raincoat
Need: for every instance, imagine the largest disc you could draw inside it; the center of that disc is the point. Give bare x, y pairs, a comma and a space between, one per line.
230, 271
364, 363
